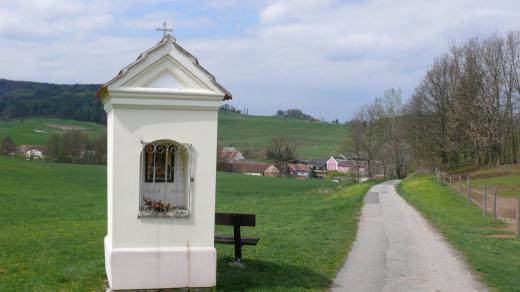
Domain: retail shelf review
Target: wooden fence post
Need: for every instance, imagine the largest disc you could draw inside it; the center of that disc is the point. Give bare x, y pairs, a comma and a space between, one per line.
484, 205
460, 184
518, 217
495, 205
450, 180
469, 191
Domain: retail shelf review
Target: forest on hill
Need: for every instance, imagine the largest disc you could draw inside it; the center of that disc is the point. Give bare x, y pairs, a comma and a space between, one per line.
67, 101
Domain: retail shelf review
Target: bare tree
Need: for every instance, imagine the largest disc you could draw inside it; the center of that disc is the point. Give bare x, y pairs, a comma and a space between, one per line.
7, 146
465, 107
364, 139
281, 151
390, 119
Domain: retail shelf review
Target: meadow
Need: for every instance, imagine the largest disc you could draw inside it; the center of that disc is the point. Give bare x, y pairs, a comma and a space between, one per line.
490, 250
38, 130
54, 221
314, 140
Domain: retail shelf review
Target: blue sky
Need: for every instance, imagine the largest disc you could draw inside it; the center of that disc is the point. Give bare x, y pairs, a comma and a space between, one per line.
325, 57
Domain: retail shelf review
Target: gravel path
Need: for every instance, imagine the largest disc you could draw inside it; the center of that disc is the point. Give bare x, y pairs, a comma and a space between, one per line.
397, 250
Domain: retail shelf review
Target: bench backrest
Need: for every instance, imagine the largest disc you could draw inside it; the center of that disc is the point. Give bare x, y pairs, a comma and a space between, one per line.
235, 219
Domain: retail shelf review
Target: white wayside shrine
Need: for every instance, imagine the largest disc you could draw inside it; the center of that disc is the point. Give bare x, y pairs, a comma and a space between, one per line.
162, 114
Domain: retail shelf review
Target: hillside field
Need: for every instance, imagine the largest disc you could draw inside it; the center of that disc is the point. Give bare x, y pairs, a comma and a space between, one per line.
54, 221
314, 140
38, 130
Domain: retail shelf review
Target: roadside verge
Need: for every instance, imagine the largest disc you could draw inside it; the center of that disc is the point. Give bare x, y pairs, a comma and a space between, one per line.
490, 250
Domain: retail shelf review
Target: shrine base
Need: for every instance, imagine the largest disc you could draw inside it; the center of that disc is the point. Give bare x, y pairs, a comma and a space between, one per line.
156, 268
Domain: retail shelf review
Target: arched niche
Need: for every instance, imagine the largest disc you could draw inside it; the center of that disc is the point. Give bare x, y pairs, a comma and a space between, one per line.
165, 179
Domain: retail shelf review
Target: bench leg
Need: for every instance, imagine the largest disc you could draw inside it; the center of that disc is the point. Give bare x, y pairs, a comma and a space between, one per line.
238, 245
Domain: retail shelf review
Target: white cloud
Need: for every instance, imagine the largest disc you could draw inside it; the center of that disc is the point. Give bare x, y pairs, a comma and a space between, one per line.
307, 53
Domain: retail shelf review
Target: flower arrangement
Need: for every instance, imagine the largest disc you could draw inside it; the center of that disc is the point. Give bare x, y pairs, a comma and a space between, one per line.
157, 206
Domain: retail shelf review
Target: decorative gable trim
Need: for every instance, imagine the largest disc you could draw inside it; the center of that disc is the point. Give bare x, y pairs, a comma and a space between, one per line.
102, 92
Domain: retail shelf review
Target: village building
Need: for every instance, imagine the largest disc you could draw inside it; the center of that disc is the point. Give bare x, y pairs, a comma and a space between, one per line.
255, 168
318, 168
343, 164
230, 154
30, 151
332, 163
299, 170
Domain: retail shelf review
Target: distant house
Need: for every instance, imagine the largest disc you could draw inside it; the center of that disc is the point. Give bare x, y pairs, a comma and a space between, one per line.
332, 163
343, 164
298, 169
272, 171
230, 154
26, 147
318, 168
318, 164
346, 165
33, 154
31, 151
255, 168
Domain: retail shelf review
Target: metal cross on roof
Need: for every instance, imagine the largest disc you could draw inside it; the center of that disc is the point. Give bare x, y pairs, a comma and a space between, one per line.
164, 29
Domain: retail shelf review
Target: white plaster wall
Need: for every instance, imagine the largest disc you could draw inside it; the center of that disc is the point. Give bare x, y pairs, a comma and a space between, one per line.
110, 157
129, 127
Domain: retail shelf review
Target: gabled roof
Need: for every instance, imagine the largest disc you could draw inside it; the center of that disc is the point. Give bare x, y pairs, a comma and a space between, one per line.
231, 155
164, 41
352, 163
298, 167
250, 166
339, 157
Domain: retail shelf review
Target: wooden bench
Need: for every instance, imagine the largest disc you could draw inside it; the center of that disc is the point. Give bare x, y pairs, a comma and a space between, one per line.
236, 220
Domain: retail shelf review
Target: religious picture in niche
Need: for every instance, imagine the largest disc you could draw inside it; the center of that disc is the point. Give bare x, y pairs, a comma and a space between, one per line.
159, 161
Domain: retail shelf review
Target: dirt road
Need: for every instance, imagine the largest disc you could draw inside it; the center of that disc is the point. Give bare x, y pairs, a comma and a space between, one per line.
397, 250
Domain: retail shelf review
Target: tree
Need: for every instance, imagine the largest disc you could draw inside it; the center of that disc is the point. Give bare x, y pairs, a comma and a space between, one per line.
7, 147
466, 108
281, 151
390, 119
295, 114
54, 148
99, 146
77, 147
365, 139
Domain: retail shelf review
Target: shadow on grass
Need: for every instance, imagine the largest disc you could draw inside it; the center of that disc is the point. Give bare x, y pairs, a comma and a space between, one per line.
258, 274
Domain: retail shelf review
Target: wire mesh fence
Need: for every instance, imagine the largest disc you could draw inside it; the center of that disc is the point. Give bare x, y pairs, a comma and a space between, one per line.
506, 209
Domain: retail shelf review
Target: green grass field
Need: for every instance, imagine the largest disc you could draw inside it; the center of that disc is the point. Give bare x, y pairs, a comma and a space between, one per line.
38, 130
314, 140
488, 249
54, 221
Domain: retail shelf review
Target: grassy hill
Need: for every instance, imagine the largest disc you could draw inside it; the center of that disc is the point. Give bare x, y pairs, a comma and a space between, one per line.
315, 140
24, 99
37, 130
54, 221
